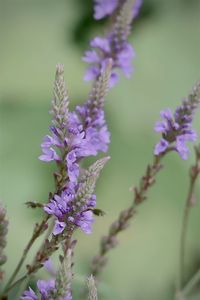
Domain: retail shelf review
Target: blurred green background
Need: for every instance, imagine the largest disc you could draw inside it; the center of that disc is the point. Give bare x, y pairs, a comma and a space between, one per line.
37, 34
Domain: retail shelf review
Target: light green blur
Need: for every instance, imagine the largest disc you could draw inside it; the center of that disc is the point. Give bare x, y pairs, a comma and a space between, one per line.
34, 36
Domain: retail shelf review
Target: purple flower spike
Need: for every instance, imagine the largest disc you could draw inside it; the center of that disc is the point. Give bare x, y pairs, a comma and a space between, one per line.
79, 134
114, 45
177, 128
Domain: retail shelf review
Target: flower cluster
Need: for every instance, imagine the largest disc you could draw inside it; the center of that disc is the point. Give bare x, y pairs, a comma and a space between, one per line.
114, 45
177, 128
74, 136
75, 204
78, 134
58, 287
65, 209
47, 290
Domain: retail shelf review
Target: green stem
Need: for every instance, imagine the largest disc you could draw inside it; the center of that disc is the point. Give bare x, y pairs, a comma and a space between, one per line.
183, 238
35, 235
13, 285
185, 221
109, 241
36, 265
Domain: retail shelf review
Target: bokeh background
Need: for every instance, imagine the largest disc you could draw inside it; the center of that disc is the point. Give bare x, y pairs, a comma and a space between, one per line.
34, 36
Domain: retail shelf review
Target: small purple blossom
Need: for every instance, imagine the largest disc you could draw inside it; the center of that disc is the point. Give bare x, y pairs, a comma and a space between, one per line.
29, 295
47, 291
103, 8
48, 265
59, 227
104, 51
46, 287
49, 154
85, 221
176, 129
161, 146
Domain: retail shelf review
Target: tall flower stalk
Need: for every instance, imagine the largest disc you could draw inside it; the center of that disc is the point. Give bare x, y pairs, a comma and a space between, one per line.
176, 130
75, 136
140, 194
72, 138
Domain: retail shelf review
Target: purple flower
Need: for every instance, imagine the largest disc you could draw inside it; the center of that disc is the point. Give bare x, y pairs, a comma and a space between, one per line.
104, 50
86, 137
101, 43
161, 146
29, 295
49, 154
181, 147
85, 221
46, 287
136, 8
114, 45
176, 129
60, 205
124, 59
84, 134
67, 210
48, 265
74, 136
104, 8
59, 227
47, 290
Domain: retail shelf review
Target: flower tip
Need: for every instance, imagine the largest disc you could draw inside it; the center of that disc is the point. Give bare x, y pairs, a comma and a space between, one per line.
59, 68
107, 158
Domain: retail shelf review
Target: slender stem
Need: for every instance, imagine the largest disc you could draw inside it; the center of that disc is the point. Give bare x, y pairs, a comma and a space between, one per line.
21, 279
22, 287
46, 251
194, 172
140, 193
183, 238
35, 235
